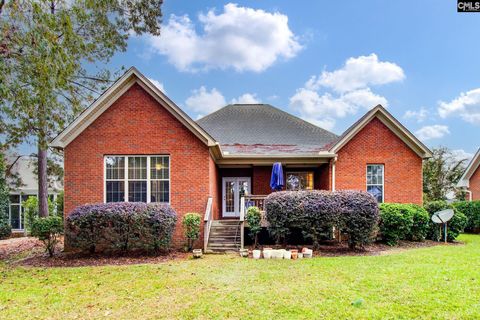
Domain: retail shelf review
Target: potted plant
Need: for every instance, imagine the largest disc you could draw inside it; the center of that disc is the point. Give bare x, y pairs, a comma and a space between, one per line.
294, 254
256, 254
287, 254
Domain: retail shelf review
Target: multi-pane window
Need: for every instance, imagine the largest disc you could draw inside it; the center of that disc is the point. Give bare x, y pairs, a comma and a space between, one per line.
137, 178
299, 180
375, 181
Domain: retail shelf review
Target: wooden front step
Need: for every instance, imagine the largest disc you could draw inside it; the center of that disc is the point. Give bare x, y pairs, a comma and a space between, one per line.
224, 236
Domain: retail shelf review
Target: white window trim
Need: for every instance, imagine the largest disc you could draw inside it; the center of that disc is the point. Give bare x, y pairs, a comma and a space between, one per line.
383, 179
126, 180
20, 205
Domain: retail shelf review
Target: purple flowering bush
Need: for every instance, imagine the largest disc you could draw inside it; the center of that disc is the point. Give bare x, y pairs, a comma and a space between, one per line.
120, 227
316, 212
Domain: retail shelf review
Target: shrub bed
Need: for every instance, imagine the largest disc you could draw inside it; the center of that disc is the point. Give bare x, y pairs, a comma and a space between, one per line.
400, 221
471, 209
455, 226
120, 227
316, 212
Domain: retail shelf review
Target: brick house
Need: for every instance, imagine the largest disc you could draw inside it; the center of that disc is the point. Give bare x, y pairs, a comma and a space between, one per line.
470, 181
135, 144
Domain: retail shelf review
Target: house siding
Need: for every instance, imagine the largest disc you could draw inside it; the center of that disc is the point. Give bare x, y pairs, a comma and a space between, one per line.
377, 144
475, 184
137, 124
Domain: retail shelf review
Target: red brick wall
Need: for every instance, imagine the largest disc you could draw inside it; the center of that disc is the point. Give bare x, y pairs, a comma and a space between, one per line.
376, 144
323, 177
137, 124
475, 184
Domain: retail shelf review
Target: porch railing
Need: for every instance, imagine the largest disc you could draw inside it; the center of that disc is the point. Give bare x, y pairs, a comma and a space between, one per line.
208, 219
246, 202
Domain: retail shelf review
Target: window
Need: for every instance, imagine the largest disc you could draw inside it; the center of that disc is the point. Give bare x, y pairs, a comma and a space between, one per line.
300, 180
16, 211
137, 179
375, 174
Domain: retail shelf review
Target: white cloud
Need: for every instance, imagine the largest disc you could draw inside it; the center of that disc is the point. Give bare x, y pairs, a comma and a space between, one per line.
158, 84
467, 106
460, 154
241, 38
323, 109
345, 91
246, 98
419, 115
360, 72
203, 101
432, 132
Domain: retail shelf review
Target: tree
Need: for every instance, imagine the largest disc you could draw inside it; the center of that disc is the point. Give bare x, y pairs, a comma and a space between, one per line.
441, 173
51, 57
4, 201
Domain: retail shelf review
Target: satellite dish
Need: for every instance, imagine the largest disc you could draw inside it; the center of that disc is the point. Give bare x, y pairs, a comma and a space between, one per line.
442, 216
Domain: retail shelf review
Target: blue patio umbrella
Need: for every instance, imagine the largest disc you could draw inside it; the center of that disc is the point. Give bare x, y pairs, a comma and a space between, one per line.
276, 181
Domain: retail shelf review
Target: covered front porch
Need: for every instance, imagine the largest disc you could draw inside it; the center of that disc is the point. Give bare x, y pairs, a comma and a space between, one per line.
239, 186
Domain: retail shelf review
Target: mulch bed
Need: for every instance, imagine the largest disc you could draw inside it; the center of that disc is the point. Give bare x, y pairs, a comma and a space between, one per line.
29, 252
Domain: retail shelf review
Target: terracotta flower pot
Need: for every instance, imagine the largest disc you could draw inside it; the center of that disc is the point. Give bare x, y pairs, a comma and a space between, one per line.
294, 254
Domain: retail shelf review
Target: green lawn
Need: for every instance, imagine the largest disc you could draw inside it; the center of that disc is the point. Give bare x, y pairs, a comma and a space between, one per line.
440, 282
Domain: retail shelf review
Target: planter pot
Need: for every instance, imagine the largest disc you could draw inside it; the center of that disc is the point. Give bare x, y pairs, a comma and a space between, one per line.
256, 254
308, 253
300, 255
267, 253
244, 253
294, 254
277, 254
197, 253
287, 255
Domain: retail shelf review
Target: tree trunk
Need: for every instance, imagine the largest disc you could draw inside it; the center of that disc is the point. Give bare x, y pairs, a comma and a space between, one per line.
42, 182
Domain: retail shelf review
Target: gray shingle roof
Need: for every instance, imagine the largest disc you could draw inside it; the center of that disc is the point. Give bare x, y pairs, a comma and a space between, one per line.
264, 129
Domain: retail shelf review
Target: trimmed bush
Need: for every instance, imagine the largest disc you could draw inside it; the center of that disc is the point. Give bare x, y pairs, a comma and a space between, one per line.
471, 209
314, 212
48, 230
455, 226
120, 227
191, 228
400, 221
254, 218
30, 207
5, 230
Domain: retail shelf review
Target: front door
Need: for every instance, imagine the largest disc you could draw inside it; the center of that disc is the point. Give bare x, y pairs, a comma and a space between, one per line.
233, 189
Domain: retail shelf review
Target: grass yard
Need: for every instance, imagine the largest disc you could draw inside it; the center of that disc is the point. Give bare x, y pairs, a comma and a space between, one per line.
441, 282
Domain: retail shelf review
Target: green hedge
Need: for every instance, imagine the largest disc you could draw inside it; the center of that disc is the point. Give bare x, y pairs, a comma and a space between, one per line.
455, 226
403, 222
471, 209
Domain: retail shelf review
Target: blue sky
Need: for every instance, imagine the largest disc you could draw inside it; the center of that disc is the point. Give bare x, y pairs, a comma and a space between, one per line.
419, 58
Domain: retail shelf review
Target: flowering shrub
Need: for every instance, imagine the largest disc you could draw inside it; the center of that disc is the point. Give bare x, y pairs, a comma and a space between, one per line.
354, 212
120, 226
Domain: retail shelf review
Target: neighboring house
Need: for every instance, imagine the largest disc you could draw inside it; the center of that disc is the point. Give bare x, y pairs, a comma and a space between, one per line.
23, 183
134, 144
470, 181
